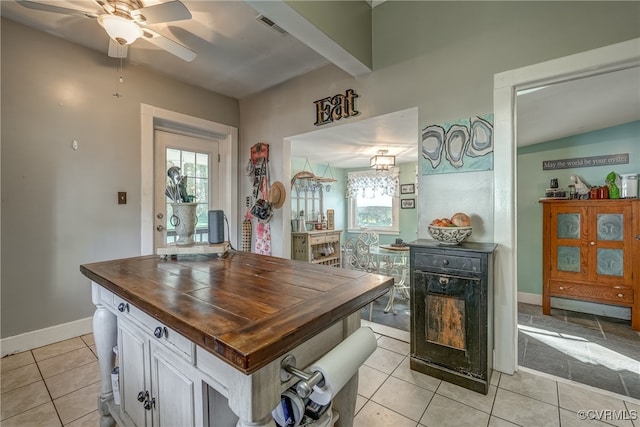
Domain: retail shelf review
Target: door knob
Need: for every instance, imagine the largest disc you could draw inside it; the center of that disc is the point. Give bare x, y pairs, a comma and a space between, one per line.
160, 228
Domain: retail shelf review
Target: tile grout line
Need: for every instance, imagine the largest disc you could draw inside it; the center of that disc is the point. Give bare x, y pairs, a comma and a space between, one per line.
55, 408
604, 336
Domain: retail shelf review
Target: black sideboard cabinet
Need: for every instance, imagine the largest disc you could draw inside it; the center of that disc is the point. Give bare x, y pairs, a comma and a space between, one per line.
452, 312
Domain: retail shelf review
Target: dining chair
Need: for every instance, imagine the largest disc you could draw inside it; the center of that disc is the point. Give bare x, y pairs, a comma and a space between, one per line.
360, 254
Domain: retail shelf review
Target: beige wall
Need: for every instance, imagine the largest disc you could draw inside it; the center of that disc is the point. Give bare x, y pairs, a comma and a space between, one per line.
59, 206
447, 74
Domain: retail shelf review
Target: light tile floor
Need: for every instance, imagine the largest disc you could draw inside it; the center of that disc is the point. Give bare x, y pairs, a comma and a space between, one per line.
57, 385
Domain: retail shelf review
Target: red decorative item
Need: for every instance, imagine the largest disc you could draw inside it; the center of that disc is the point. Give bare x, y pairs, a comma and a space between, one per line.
259, 152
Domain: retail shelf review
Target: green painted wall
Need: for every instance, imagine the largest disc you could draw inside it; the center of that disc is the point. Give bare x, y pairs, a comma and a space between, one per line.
532, 181
407, 29
348, 23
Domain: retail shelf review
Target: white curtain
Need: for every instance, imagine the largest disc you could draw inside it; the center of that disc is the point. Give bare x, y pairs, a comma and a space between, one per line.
369, 184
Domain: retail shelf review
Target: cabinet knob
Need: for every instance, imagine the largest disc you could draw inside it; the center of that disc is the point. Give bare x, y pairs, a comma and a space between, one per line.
142, 396
445, 262
122, 307
561, 288
148, 404
592, 243
161, 331
620, 295
160, 228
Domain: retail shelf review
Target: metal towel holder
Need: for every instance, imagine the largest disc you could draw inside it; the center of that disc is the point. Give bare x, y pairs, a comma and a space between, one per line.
304, 387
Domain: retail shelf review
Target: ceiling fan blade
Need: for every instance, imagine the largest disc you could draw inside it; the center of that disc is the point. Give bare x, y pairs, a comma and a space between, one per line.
170, 46
55, 9
117, 50
163, 12
105, 5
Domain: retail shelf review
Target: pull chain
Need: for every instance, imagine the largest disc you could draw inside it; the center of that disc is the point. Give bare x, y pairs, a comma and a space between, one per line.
117, 94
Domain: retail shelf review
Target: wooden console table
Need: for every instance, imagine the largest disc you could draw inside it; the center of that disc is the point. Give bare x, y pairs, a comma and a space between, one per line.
200, 338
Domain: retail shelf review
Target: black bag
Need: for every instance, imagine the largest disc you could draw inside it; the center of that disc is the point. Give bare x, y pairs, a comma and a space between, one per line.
262, 210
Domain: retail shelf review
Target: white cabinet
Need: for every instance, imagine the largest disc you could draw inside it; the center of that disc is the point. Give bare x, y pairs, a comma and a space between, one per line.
173, 390
156, 387
132, 353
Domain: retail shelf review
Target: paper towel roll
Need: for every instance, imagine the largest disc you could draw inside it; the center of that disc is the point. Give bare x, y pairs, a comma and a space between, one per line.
341, 363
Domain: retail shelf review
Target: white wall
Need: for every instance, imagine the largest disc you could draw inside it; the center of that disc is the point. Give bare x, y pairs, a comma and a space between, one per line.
59, 206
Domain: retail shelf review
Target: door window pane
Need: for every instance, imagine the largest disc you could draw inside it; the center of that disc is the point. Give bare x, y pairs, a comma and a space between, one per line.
195, 166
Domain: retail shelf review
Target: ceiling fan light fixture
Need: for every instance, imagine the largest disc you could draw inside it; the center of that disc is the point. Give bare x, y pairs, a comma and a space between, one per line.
120, 29
382, 162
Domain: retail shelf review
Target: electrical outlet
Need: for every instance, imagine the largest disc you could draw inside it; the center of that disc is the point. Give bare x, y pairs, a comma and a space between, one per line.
122, 197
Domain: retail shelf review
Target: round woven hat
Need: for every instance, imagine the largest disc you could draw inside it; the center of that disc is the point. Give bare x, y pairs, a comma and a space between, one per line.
277, 195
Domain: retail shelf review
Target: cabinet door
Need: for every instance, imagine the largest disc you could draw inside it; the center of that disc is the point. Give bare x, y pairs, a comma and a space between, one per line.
610, 238
133, 355
173, 391
568, 250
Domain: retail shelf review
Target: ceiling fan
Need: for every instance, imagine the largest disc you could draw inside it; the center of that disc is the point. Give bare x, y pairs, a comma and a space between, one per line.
125, 21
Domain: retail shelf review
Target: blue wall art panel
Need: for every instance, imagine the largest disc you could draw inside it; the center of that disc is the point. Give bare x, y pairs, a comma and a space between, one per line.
460, 146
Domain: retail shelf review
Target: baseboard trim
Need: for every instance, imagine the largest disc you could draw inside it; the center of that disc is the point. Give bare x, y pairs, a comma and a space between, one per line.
46, 336
597, 309
533, 299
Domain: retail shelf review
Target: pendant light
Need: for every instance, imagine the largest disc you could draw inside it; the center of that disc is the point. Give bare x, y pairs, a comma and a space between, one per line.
382, 162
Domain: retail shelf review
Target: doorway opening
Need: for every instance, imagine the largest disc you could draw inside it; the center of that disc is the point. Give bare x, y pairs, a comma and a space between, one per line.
350, 146
506, 85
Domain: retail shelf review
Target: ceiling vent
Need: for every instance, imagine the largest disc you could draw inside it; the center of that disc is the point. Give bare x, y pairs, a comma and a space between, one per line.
269, 23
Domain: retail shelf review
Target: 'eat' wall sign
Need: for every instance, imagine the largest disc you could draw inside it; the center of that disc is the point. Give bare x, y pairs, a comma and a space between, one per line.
336, 107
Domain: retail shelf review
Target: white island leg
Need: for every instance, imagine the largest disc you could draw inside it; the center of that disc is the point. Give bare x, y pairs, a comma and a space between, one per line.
106, 337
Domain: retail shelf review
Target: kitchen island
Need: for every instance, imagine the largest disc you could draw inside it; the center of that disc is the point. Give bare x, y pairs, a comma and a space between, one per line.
200, 339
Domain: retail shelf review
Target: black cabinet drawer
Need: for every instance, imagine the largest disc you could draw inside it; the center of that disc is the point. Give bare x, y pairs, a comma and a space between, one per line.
430, 261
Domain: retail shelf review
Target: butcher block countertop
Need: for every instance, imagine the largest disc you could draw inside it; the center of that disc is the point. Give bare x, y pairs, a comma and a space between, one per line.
245, 308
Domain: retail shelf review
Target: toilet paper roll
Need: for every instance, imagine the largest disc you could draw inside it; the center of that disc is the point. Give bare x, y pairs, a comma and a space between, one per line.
341, 363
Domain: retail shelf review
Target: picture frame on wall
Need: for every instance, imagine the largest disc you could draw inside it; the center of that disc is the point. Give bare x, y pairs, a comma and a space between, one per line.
408, 203
407, 189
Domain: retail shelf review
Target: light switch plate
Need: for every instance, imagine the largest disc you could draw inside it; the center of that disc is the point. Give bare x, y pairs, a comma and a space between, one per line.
122, 197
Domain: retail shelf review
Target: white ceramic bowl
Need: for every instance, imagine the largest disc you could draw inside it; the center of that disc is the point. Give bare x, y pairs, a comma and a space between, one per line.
449, 235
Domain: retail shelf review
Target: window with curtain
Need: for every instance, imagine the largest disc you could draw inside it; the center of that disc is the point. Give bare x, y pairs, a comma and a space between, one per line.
373, 201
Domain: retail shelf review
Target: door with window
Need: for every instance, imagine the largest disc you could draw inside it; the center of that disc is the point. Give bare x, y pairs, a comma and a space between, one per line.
197, 157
